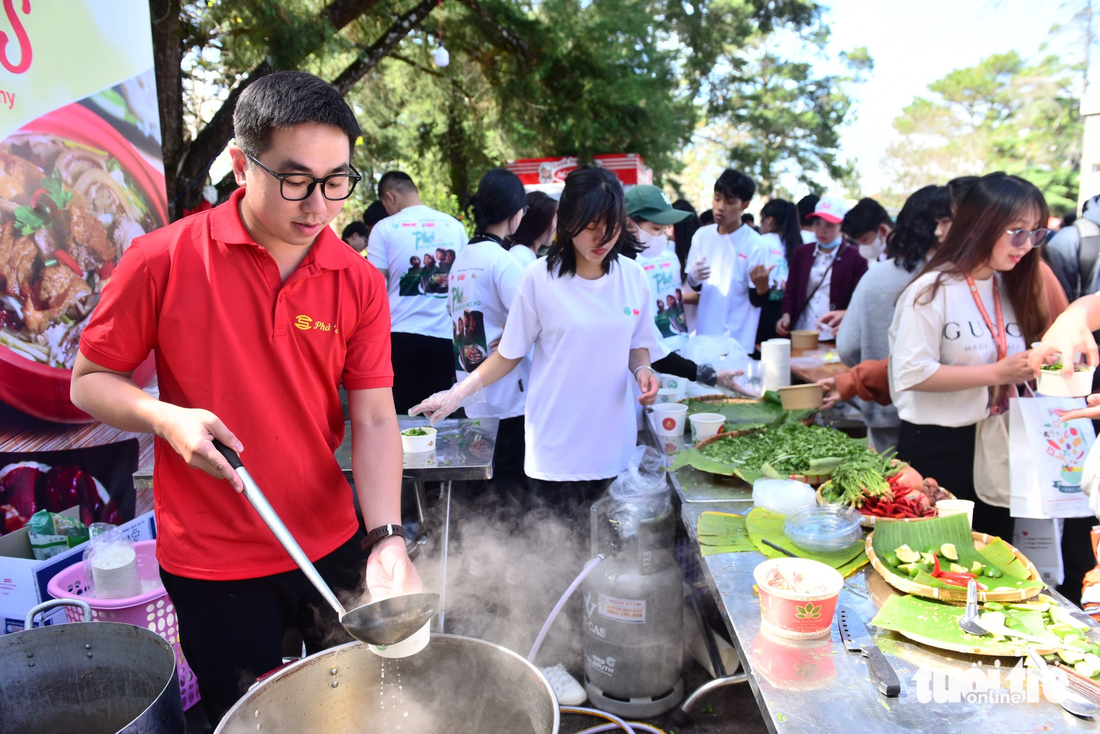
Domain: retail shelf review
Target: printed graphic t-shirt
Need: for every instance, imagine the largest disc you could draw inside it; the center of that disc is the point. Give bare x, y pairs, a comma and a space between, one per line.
580, 421
417, 248
483, 284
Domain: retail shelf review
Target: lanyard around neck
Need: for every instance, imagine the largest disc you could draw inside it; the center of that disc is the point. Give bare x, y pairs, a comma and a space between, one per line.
1000, 334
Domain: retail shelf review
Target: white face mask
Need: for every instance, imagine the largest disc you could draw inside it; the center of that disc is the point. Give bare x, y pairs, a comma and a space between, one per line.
873, 250
652, 244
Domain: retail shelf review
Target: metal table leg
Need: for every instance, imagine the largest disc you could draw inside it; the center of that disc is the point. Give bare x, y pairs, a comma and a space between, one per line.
446, 543
721, 680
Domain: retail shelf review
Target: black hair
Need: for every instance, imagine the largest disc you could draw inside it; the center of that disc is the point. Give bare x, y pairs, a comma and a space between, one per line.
734, 184
747, 218
806, 206
590, 195
706, 217
682, 232
787, 221
915, 232
958, 188
354, 228
374, 214
541, 209
286, 99
499, 196
395, 181
1068, 219
866, 216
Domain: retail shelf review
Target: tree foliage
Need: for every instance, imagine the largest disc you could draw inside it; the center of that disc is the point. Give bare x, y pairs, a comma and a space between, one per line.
1001, 115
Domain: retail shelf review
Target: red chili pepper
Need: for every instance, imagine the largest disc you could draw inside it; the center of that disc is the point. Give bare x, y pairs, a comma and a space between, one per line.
35, 195
954, 582
67, 260
936, 566
106, 270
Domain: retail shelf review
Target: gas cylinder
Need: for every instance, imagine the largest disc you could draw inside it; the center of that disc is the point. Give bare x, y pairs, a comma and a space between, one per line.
633, 614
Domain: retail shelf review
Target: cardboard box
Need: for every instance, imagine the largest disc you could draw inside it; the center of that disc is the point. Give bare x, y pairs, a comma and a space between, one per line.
23, 579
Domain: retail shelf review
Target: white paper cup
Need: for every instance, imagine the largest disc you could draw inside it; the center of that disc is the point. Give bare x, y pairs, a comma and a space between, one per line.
408, 646
672, 382
669, 419
705, 425
419, 444
669, 395
957, 507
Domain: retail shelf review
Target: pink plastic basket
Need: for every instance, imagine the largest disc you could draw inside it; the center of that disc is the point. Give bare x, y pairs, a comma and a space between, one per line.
152, 610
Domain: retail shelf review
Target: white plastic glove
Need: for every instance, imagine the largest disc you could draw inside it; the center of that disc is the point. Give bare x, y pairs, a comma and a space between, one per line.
442, 404
698, 272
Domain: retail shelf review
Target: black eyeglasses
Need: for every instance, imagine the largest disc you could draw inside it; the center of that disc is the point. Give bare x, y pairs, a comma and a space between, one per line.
299, 186
1021, 237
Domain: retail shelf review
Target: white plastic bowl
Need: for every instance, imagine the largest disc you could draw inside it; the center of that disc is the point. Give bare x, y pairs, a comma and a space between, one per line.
1052, 384
419, 444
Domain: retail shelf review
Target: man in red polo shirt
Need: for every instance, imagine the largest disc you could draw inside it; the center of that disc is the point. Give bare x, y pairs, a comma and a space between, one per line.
256, 313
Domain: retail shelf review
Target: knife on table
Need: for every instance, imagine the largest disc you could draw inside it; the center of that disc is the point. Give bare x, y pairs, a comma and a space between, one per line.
853, 632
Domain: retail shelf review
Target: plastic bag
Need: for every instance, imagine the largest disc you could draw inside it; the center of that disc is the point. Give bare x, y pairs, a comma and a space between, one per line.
110, 564
720, 351
641, 492
50, 534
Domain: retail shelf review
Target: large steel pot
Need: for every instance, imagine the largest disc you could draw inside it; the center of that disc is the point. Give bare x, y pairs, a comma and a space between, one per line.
91, 678
456, 685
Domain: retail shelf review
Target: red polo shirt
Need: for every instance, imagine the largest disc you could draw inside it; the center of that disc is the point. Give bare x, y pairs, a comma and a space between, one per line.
267, 357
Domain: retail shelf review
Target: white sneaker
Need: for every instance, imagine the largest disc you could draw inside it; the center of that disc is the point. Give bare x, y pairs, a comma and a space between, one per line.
566, 687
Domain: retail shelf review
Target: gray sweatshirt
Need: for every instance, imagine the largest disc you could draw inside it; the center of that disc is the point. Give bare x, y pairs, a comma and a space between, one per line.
863, 333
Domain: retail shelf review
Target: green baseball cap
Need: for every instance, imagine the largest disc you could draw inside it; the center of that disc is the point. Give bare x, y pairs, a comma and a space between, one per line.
651, 204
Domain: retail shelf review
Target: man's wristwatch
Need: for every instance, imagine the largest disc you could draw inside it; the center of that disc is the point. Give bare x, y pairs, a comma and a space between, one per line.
374, 537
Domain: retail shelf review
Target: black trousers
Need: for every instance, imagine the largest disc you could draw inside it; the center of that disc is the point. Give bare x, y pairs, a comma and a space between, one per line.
570, 500
232, 631
422, 365
947, 455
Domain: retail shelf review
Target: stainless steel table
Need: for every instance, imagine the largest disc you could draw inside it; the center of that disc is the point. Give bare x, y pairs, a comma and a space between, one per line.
820, 687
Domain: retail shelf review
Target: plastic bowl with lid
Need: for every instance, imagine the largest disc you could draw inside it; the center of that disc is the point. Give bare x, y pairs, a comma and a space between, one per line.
824, 529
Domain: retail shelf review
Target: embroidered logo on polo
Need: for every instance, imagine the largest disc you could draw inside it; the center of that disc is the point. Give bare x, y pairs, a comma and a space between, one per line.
305, 323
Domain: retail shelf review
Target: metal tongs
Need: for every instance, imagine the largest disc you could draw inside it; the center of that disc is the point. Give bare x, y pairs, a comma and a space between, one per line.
381, 623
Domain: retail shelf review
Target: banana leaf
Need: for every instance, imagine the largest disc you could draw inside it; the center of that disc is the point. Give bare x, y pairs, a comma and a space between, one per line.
694, 457
999, 554
742, 414
933, 533
763, 524
720, 532
940, 622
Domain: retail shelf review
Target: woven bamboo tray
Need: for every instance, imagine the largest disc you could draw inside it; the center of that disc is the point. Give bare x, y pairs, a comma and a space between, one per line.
957, 594
813, 481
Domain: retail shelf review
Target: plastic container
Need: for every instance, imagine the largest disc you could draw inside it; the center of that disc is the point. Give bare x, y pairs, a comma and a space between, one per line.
804, 339
802, 397
705, 425
669, 419
418, 444
823, 529
956, 507
1052, 384
784, 496
152, 609
796, 615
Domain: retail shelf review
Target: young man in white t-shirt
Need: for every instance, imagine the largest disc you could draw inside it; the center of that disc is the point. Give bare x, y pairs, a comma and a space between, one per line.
414, 248
721, 256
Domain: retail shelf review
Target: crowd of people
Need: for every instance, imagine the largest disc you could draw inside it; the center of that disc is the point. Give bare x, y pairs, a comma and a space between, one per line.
555, 317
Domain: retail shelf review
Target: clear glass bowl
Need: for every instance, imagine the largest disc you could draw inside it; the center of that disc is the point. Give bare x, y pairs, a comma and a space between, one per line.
824, 529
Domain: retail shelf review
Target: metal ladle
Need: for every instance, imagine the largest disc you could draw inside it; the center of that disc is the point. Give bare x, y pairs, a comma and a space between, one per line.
381, 623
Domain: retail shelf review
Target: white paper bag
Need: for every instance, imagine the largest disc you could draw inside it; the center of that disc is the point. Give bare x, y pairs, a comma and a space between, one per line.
1041, 542
1046, 458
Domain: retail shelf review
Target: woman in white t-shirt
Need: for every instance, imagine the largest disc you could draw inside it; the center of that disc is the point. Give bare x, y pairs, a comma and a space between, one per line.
588, 314
483, 281
958, 341
536, 231
780, 234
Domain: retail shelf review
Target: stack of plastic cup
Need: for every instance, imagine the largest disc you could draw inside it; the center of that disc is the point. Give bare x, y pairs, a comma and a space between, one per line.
115, 572
775, 357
